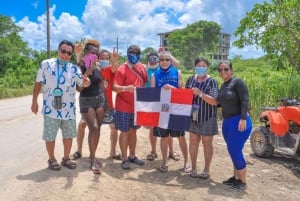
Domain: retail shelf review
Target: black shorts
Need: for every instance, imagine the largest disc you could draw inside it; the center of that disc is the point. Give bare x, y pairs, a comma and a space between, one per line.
91, 102
161, 132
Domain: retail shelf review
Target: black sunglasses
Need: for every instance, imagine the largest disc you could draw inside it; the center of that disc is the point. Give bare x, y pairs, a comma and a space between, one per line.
162, 59
224, 69
65, 52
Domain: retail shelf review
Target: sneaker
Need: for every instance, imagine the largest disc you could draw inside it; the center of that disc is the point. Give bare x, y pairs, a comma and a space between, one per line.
229, 181
239, 185
136, 161
125, 165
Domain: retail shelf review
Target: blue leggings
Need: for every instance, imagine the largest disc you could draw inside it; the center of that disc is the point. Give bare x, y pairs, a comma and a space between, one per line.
236, 140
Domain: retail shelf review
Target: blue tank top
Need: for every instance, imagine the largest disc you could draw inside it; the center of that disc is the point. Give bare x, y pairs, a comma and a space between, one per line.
150, 72
166, 77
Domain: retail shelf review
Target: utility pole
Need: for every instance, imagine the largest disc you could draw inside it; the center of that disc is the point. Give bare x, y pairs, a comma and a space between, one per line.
48, 28
117, 44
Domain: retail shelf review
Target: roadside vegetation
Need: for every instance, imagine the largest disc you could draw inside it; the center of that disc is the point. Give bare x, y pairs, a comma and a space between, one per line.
272, 26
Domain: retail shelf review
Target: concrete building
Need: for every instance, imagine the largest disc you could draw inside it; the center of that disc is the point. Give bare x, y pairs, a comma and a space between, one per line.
221, 54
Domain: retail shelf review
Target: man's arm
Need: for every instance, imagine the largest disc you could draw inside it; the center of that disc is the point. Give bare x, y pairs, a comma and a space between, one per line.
36, 90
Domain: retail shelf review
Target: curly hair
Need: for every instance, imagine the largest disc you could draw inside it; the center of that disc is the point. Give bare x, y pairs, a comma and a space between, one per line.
90, 44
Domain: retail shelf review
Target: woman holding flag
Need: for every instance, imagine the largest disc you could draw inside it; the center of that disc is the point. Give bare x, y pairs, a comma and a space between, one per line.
204, 116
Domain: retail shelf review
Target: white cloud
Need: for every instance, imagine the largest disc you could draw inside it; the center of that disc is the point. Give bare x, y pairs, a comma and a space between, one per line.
133, 21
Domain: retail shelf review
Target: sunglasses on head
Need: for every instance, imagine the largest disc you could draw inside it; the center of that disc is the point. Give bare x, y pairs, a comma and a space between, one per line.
153, 59
223, 69
164, 59
65, 52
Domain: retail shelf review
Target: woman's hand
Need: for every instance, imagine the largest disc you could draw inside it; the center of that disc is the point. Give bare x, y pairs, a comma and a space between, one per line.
242, 125
86, 81
114, 59
168, 87
196, 91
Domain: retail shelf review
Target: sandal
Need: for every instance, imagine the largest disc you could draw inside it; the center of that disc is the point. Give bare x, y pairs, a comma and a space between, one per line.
175, 156
53, 165
76, 155
187, 169
99, 162
67, 162
194, 174
95, 167
117, 157
163, 169
152, 156
204, 175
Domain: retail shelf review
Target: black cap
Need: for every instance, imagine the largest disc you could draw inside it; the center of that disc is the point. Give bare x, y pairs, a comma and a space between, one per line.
134, 48
152, 54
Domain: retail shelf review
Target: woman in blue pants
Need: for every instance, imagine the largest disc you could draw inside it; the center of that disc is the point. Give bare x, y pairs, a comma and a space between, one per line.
237, 125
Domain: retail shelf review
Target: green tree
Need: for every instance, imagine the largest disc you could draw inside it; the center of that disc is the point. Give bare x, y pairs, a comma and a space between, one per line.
275, 27
12, 48
197, 38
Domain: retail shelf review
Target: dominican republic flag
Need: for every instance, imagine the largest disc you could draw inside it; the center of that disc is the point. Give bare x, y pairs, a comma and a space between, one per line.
158, 107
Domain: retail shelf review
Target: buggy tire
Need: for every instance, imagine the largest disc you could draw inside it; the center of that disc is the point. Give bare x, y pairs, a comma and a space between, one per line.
260, 143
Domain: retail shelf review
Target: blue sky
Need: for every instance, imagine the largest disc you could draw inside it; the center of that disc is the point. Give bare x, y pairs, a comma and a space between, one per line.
132, 21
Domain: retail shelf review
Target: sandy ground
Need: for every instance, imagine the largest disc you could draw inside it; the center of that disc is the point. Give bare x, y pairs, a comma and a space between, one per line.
276, 178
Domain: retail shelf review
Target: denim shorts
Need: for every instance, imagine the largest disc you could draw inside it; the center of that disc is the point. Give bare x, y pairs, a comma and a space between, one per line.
94, 102
161, 132
124, 121
51, 126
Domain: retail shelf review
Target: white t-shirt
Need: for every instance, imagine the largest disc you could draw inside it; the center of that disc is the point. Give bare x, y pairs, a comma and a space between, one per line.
67, 76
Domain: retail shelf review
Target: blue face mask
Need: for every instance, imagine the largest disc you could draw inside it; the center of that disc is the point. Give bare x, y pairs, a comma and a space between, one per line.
201, 70
133, 58
104, 63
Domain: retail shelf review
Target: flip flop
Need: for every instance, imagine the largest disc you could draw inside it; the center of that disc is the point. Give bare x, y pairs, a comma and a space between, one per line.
152, 156
97, 160
194, 174
163, 169
187, 169
204, 175
175, 156
95, 167
117, 157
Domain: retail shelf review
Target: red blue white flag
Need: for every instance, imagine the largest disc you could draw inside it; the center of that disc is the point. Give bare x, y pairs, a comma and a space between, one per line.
158, 107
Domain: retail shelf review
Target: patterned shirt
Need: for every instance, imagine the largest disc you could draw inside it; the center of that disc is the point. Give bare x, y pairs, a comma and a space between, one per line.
209, 87
51, 75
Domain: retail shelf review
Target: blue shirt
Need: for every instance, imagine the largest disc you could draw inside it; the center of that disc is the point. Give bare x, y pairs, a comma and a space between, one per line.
169, 76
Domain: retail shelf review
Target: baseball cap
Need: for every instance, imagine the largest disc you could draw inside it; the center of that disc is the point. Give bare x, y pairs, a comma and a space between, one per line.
134, 49
152, 54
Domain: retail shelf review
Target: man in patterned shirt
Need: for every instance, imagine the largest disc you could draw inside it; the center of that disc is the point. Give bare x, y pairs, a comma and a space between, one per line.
59, 78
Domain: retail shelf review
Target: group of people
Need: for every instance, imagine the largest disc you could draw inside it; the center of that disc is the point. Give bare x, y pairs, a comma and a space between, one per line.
96, 79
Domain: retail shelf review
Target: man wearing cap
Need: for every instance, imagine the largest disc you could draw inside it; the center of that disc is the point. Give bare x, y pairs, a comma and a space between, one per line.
129, 75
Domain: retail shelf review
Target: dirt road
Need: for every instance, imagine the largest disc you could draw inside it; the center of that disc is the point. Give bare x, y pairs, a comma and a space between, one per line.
24, 174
